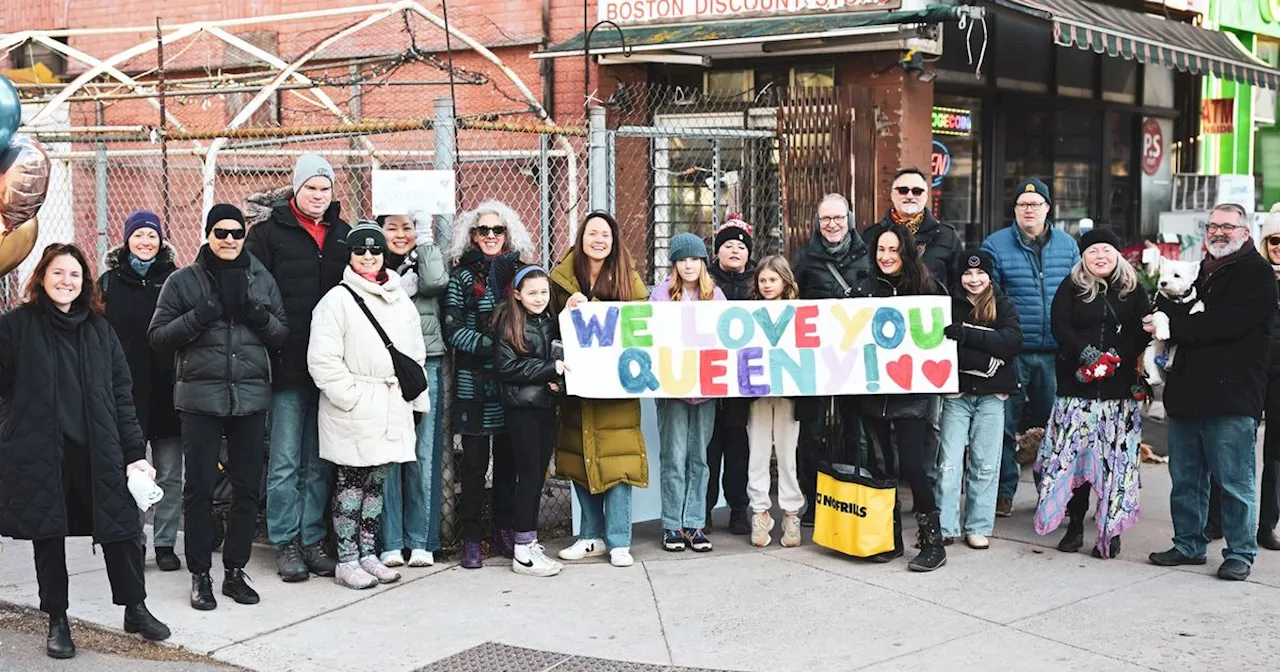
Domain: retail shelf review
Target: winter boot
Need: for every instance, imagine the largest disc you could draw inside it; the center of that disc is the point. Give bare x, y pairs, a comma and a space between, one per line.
137, 620
1073, 541
932, 553
59, 644
503, 543
471, 555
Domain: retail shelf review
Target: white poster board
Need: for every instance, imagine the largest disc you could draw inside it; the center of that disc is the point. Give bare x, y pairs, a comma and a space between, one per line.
399, 192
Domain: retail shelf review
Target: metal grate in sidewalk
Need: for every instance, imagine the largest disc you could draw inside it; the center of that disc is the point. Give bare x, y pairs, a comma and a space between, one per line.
497, 657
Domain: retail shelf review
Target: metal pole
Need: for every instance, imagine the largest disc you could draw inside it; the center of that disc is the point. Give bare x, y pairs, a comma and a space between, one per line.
164, 127
100, 180
446, 152
356, 193
544, 197
597, 143
716, 175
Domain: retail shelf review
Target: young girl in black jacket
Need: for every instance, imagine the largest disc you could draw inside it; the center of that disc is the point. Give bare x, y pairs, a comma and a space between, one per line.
530, 382
988, 335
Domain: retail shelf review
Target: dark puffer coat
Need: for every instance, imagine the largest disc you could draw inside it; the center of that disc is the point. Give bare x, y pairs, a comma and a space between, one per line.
940, 245
223, 369
33, 501
304, 274
131, 301
525, 374
980, 342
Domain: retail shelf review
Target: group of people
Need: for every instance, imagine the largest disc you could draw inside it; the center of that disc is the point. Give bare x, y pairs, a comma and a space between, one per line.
336, 336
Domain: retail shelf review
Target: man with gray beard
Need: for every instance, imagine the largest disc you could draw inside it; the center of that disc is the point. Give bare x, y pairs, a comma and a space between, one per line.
1215, 394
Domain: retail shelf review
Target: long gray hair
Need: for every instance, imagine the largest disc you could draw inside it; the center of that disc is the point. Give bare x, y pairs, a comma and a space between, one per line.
1089, 286
518, 239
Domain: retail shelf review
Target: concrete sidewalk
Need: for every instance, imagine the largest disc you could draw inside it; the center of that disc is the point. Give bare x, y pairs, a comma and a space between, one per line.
1020, 605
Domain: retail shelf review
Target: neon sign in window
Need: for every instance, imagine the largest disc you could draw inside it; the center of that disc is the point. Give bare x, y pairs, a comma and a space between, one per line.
952, 121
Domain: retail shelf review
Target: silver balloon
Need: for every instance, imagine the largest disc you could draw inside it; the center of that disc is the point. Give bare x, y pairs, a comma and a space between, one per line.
24, 179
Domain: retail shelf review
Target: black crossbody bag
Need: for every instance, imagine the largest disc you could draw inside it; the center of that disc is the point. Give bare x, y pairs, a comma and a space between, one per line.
412, 377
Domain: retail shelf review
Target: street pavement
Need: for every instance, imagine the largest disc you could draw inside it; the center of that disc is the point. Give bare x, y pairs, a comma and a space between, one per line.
1020, 605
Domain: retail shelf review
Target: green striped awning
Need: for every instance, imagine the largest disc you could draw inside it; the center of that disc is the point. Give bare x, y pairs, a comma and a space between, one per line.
1150, 39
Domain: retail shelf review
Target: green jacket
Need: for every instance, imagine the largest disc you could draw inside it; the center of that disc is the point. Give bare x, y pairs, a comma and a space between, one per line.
427, 262
599, 441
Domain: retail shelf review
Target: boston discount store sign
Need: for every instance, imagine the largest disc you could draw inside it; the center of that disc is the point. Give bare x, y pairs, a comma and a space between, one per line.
665, 11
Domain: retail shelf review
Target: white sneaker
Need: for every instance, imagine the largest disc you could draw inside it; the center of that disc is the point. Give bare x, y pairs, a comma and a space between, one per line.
621, 557
383, 573
392, 559
761, 526
584, 548
790, 530
530, 560
351, 575
420, 558
977, 541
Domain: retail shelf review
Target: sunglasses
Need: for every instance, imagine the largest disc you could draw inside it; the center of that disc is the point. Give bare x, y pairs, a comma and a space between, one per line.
361, 251
914, 191
486, 231
222, 234
1273, 240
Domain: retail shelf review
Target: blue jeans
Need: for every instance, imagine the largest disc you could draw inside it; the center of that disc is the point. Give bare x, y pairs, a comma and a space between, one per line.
1039, 388
975, 421
606, 515
1222, 446
411, 507
684, 430
297, 479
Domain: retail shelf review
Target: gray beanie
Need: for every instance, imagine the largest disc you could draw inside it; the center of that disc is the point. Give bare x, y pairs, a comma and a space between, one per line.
309, 166
686, 245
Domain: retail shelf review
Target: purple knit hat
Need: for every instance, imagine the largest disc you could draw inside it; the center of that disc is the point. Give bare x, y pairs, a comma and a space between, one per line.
142, 219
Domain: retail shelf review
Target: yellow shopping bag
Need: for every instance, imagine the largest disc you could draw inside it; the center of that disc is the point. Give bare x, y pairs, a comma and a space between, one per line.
854, 513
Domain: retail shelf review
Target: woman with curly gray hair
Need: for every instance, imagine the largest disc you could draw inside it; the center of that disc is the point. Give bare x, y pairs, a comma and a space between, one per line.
488, 245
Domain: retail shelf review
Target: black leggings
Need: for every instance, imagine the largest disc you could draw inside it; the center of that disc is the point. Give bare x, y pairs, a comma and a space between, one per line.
124, 572
536, 428
900, 449
475, 464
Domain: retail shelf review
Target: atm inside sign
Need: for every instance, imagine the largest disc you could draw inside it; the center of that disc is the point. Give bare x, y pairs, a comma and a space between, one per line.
1218, 116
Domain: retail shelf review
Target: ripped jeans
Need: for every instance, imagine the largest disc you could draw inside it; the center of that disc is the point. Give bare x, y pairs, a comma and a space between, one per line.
975, 422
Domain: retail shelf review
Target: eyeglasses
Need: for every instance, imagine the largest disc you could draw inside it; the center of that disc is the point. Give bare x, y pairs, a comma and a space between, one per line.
914, 191
1224, 228
486, 231
1273, 240
223, 234
1030, 206
834, 219
361, 251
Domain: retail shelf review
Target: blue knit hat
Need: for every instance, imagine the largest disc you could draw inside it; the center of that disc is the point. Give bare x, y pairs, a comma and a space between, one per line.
142, 219
685, 246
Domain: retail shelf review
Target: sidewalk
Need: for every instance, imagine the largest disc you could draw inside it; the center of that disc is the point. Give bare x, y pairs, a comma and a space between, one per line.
1020, 605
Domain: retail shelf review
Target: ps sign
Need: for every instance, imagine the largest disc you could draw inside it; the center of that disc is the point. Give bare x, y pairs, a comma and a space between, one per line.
1152, 146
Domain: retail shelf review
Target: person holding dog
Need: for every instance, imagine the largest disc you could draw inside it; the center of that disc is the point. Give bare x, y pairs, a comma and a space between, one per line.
1095, 430
1216, 392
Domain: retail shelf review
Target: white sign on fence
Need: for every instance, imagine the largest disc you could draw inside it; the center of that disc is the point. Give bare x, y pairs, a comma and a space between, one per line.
759, 348
399, 192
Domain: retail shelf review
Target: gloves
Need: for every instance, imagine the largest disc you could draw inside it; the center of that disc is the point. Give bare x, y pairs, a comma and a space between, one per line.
208, 311
422, 227
256, 315
486, 345
409, 282
955, 332
1097, 365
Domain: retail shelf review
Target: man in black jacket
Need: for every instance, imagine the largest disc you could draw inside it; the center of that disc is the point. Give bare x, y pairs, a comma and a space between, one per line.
733, 270
301, 244
938, 242
1215, 394
831, 266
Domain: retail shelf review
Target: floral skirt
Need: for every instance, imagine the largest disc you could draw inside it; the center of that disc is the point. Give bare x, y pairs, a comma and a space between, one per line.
1095, 442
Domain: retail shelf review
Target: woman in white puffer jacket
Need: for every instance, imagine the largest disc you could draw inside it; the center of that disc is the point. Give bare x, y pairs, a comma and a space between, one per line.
365, 423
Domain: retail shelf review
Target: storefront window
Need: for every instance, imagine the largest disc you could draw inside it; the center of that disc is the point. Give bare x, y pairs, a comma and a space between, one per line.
731, 84
1120, 194
1075, 151
814, 76
956, 165
1119, 80
1026, 155
1076, 72
1022, 61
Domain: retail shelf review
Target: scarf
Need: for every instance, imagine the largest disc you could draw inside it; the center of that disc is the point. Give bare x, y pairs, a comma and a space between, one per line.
912, 223
68, 321
139, 266
376, 278
839, 249
1211, 264
230, 279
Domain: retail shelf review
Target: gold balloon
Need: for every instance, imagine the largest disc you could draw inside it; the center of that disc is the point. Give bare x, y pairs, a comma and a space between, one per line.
17, 244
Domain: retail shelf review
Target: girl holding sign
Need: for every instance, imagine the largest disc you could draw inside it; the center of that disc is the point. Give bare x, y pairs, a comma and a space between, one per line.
771, 427
599, 445
901, 421
685, 425
988, 336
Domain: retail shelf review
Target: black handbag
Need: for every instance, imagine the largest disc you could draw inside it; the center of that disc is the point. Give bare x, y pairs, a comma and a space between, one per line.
412, 377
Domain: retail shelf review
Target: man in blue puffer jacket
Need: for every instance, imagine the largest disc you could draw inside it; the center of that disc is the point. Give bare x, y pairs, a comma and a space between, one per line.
1032, 259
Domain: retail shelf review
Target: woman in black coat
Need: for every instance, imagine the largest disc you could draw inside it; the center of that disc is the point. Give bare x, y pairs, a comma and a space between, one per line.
136, 269
898, 424
68, 439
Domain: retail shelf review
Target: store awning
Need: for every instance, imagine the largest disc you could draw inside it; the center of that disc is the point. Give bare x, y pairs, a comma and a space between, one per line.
1149, 39
674, 37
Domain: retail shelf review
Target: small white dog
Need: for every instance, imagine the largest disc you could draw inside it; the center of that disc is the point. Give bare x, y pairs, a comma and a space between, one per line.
1177, 285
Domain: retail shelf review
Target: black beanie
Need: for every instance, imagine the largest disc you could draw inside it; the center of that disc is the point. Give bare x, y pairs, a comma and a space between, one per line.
220, 212
1095, 236
977, 259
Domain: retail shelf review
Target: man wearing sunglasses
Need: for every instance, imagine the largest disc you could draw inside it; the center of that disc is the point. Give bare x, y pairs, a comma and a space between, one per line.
1032, 259
1216, 393
938, 242
301, 242
219, 316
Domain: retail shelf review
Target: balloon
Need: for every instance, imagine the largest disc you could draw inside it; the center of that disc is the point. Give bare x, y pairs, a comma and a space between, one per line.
17, 244
24, 179
10, 111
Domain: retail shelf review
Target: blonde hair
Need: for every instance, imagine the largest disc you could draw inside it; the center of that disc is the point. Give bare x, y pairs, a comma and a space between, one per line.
518, 239
778, 264
706, 286
1089, 286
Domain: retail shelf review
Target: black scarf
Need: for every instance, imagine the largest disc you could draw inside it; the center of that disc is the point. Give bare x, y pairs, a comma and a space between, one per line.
68, 349
1211, 264
230, 279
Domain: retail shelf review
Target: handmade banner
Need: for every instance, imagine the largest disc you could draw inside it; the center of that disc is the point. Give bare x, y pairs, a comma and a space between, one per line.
759, 348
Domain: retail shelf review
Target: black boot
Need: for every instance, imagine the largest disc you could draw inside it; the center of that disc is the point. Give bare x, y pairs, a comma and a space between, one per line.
202, 592
1115, 549
739, 521
140, 621
167, 560
59, 644
932, 553
1073, 541
234, 587
1267, 539
708, 526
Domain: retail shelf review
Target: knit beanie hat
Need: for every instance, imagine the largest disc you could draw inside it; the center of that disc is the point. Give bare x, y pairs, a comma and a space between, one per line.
220, 212
367, 234
685, 246
1270, 227
1095, 236
142, 219
308, 166
1032, 185
977, 259
733, 229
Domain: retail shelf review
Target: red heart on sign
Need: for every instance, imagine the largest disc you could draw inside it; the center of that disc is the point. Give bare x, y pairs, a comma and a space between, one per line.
900, 371
936, 372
